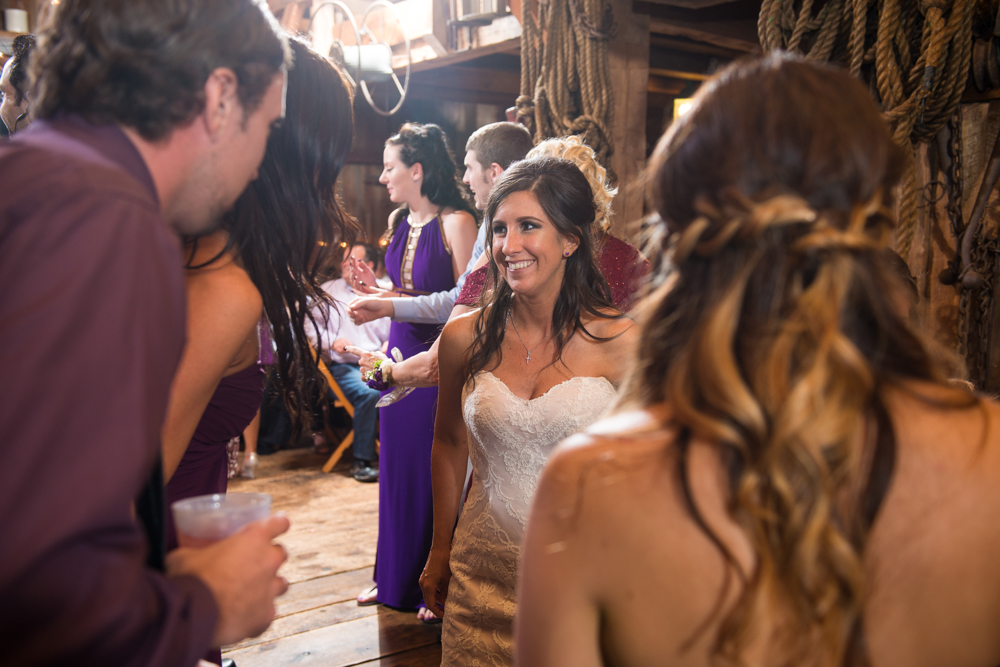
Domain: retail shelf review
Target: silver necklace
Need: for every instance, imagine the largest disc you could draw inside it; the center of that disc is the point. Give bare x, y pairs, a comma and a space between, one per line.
527, 358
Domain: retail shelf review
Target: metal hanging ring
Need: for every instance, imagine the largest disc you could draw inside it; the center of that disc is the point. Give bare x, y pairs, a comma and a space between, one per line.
337, 4
401, 87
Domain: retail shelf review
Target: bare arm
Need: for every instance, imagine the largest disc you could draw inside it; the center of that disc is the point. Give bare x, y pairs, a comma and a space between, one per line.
460, 231
420, 370
223, 310
558, 619
251, 433
449, 456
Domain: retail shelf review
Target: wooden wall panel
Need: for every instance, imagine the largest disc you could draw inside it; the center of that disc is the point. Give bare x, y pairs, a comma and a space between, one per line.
630, 76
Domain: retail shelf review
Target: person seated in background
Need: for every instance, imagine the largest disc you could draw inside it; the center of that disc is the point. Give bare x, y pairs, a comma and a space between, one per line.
337, 331
15, 107
790, 477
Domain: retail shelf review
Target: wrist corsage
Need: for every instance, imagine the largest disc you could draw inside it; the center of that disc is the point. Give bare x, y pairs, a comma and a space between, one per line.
380, 377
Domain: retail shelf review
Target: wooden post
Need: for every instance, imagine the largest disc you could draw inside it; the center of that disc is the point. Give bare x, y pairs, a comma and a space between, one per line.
629, 60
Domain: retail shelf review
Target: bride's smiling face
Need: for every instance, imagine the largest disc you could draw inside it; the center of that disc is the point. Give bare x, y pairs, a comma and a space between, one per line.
528, 249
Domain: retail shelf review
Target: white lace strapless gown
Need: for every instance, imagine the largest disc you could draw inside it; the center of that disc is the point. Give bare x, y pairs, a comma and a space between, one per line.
510, 439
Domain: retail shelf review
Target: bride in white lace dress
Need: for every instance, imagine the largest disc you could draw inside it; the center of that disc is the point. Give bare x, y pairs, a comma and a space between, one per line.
535, 365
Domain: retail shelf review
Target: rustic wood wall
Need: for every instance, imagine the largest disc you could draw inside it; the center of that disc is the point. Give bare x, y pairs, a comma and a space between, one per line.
934, 243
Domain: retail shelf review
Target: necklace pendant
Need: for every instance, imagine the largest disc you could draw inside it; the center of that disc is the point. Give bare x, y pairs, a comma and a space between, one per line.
527, 359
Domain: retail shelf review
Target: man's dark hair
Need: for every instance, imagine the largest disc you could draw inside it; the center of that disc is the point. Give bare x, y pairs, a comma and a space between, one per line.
21, 46
372, 255
144, 63
502, 143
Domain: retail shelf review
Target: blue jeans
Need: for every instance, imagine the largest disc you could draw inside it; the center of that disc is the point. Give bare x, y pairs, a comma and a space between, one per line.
363, 398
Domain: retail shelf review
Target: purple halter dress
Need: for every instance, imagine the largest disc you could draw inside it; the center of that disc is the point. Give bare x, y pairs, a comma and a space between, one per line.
405, 519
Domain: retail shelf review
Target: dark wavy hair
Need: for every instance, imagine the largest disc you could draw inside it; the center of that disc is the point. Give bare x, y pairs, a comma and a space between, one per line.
428, 145
144, 63
564, 194
288, 223
21, 47
775, 335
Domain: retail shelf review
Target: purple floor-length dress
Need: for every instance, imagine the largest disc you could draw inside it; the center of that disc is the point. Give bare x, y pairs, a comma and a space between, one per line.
405, 519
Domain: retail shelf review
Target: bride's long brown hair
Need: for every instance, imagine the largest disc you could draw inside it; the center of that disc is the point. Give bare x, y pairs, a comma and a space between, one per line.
564, 193
774, 333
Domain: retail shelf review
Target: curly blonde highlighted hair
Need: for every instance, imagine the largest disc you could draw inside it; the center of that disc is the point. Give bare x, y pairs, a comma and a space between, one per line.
573, 149
774, 334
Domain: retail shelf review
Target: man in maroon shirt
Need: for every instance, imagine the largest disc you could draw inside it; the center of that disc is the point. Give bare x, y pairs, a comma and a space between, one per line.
152, 118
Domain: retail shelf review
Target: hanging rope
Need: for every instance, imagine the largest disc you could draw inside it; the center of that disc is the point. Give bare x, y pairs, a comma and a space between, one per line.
566, 77
920, 51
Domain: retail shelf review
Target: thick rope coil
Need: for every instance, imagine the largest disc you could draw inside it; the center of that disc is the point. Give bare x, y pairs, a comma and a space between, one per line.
566, 83
919, 89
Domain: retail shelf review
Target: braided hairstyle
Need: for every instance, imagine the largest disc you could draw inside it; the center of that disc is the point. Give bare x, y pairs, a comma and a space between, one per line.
774, 331
441, 184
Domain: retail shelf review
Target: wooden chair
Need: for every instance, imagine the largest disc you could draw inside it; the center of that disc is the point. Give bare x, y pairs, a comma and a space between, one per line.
340, 401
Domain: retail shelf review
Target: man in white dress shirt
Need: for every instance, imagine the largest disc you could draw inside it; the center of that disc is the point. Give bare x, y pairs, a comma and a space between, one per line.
370, 336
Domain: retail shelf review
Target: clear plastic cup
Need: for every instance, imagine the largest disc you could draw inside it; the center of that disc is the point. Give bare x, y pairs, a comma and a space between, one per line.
202, 520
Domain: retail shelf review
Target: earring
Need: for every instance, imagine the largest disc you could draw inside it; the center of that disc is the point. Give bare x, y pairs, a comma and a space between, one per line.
567, 253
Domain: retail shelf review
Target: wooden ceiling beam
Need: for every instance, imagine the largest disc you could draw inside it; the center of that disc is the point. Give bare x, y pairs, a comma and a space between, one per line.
447, 93
512, 45
689, 46
677, 74
699, 33
470, 78
690, 4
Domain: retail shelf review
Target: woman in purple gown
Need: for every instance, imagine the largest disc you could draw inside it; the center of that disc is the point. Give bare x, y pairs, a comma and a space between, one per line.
430, 241
253, 266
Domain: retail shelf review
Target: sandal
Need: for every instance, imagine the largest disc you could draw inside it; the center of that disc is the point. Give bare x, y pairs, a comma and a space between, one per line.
249, 467
368, 597
425, 616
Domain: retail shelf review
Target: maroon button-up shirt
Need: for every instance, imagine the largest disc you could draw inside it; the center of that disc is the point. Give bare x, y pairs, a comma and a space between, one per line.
91, 332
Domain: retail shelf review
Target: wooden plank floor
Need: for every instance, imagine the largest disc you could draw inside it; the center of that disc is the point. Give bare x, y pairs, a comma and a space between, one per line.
331, 552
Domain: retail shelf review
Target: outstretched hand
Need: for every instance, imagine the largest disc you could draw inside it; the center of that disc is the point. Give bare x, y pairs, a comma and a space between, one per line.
241, 571
367, 309
366, 360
